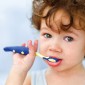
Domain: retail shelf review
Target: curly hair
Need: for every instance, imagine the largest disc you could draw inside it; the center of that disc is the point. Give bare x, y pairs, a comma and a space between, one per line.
75, 9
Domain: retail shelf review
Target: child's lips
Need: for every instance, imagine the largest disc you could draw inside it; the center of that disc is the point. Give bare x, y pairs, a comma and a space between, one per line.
53, 64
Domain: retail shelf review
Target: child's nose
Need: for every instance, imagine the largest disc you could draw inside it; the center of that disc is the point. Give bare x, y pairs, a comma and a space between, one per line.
55, 47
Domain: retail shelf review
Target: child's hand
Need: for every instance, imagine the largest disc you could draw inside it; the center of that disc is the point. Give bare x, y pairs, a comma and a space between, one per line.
24, 62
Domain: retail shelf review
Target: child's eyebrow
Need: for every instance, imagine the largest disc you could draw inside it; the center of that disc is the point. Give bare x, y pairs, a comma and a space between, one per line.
72, 32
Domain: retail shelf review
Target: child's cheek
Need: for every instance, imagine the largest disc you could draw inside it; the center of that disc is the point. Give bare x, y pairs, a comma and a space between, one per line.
43, 41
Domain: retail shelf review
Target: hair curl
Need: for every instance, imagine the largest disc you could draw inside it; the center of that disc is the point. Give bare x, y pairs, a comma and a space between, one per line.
75, 8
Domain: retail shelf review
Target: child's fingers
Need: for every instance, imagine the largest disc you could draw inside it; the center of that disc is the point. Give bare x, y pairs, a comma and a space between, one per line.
29, 59
35, 45
31, 48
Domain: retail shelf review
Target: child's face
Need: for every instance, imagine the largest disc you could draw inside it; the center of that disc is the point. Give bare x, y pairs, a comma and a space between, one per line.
67, 46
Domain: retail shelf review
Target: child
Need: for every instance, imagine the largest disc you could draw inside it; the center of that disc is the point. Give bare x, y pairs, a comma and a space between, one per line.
62, 35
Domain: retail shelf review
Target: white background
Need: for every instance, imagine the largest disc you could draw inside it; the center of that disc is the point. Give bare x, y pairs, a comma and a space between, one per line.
15, 29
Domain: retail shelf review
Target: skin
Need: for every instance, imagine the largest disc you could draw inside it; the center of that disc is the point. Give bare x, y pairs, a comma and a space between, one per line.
68, 46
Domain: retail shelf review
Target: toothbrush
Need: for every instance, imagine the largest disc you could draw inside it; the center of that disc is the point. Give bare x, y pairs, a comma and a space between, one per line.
25, 50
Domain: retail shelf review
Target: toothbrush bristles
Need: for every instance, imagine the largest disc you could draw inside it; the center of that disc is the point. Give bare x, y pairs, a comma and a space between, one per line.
50, 59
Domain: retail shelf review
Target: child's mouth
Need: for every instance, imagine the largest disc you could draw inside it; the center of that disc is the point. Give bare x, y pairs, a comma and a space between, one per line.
53, 61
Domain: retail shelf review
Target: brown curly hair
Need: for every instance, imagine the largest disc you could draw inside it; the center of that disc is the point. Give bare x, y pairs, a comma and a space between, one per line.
75, 9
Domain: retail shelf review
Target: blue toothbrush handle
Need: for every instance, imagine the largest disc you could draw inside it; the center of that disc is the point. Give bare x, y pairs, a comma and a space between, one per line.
24, 50
17, 49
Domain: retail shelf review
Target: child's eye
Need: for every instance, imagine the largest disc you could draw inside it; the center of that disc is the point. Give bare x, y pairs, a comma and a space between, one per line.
46, 35
68, 38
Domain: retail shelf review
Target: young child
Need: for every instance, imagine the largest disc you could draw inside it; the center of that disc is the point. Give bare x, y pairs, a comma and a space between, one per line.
62, 35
